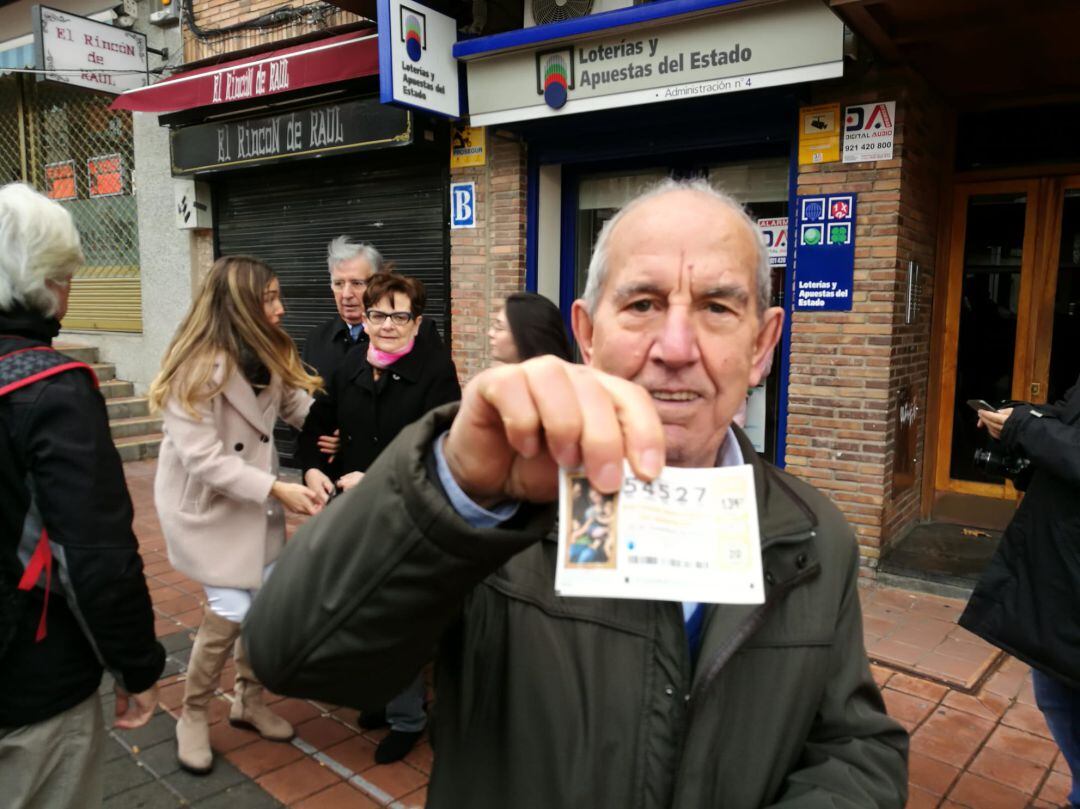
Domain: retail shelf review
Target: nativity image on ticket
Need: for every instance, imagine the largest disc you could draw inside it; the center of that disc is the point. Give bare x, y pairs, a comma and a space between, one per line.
689, 535
591, 517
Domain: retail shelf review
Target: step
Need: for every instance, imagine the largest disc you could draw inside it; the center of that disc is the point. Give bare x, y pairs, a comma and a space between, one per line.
82, 353
138, 448
104, 371
116, 387
135, 426
126, 407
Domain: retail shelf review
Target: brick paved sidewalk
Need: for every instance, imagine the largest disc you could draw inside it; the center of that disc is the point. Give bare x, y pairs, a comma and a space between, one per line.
978, 741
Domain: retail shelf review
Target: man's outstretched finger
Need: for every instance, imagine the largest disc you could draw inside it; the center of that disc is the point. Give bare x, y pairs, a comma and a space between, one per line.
602, 444
509, 395
559, 409
643, 434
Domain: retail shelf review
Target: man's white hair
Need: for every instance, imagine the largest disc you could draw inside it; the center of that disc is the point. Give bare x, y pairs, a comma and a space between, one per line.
38, 243
598, 266
345, 249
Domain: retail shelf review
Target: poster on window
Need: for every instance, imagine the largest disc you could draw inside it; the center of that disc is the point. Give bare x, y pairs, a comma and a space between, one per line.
106, 175
60, 180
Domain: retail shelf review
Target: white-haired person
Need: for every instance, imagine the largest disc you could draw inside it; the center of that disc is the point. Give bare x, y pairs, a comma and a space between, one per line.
73, 598
228, 375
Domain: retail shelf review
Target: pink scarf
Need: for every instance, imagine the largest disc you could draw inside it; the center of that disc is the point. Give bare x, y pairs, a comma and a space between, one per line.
384, 359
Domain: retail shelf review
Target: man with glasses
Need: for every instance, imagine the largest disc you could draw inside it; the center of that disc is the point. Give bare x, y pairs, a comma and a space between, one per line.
351, 265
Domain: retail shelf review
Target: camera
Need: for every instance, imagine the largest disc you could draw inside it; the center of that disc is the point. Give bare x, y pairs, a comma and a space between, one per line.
993, 462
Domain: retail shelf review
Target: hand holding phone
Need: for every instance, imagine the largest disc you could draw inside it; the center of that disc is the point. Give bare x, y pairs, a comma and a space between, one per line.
981, 404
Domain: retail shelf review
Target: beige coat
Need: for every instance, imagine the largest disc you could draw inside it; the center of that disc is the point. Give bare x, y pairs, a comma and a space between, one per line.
212, 489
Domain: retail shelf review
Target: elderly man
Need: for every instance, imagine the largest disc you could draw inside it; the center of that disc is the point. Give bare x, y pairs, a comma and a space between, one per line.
351, 265
65, 531
546, 701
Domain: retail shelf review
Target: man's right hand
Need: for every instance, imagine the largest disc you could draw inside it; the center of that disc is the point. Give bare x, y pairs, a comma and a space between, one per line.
297, 497
518, 423
319, 483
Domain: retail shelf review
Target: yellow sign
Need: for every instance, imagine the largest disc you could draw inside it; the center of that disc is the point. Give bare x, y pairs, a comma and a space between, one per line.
819, 134
468, 146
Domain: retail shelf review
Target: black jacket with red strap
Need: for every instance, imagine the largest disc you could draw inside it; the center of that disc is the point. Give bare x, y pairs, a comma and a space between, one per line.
60, 473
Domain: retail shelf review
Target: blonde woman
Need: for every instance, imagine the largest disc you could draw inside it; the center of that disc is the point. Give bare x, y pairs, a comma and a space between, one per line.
230, 372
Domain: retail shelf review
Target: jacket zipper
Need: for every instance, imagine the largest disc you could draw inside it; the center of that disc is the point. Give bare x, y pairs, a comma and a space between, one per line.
741, 634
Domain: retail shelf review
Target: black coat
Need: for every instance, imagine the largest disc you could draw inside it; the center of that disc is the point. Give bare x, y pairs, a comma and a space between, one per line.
327, 344
60, 466
1028, 599
371, 413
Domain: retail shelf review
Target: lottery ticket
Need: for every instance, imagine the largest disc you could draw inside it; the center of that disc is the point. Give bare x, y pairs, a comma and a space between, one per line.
689, 535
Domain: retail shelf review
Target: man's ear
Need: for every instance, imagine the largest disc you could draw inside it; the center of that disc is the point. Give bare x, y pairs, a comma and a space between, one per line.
772, 326
582, 324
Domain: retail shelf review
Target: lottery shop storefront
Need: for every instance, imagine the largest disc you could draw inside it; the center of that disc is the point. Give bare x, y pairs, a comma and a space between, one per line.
839, 159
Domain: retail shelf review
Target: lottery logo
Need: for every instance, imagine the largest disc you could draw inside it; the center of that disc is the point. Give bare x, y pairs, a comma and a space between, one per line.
813, 210
555, 76
811, 235
840, 234
413, 32
840, 209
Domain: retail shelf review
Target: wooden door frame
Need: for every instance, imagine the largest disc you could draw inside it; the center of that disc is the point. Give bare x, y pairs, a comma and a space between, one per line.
949, 288
1045, 293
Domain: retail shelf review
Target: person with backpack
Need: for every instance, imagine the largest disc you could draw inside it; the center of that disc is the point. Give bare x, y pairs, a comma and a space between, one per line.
73, 598
230, 371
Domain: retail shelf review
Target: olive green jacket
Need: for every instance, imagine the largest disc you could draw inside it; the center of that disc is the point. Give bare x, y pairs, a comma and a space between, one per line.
549, 703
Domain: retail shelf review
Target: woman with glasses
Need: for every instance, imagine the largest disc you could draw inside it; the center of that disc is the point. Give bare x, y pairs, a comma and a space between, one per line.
371, 397
528, 325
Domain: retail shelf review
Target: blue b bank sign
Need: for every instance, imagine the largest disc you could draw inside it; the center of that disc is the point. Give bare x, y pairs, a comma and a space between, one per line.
462, 205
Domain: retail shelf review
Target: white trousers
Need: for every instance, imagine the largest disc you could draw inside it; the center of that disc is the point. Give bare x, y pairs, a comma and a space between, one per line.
231, 603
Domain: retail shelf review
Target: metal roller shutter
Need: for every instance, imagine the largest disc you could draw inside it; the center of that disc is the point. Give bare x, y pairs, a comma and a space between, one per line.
286, 217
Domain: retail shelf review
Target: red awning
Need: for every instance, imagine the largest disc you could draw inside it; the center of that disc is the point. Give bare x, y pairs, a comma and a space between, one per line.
347, 56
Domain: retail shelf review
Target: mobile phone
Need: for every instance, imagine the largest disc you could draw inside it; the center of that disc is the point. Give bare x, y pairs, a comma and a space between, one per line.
981, 404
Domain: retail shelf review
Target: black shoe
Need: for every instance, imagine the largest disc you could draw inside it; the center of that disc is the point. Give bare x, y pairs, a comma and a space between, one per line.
396, 745
372, 720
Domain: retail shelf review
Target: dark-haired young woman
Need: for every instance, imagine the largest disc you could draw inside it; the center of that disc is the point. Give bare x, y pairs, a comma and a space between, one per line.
528, 325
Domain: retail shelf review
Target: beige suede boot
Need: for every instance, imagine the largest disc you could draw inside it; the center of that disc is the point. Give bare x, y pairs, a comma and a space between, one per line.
249, 709
212, 643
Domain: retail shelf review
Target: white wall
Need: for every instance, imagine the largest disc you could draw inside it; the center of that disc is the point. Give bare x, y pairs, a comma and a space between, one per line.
549, 232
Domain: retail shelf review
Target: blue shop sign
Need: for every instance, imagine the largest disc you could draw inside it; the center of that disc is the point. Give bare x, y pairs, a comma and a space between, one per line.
825, 253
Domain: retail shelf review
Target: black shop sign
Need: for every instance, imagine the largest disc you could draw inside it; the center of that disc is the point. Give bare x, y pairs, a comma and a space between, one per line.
328, 129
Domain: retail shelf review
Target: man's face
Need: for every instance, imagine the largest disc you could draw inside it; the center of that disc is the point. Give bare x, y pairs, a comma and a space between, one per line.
348, 279
678, 315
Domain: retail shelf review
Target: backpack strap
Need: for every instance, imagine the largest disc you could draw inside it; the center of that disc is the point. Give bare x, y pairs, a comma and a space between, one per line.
18, 369
26, 366
40, 560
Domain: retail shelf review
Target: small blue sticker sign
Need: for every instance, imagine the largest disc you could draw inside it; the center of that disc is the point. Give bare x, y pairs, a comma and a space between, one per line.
462, 205
825, 253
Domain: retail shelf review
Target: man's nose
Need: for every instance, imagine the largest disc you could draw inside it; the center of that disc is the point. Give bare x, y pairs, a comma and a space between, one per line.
676, 344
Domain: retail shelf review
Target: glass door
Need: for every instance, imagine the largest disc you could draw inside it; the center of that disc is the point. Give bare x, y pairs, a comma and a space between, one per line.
1057, 364
1012, 315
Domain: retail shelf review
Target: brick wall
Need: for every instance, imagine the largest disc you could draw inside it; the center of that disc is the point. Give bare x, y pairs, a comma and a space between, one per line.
487, 262
847, 368
214, 14
925, 166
